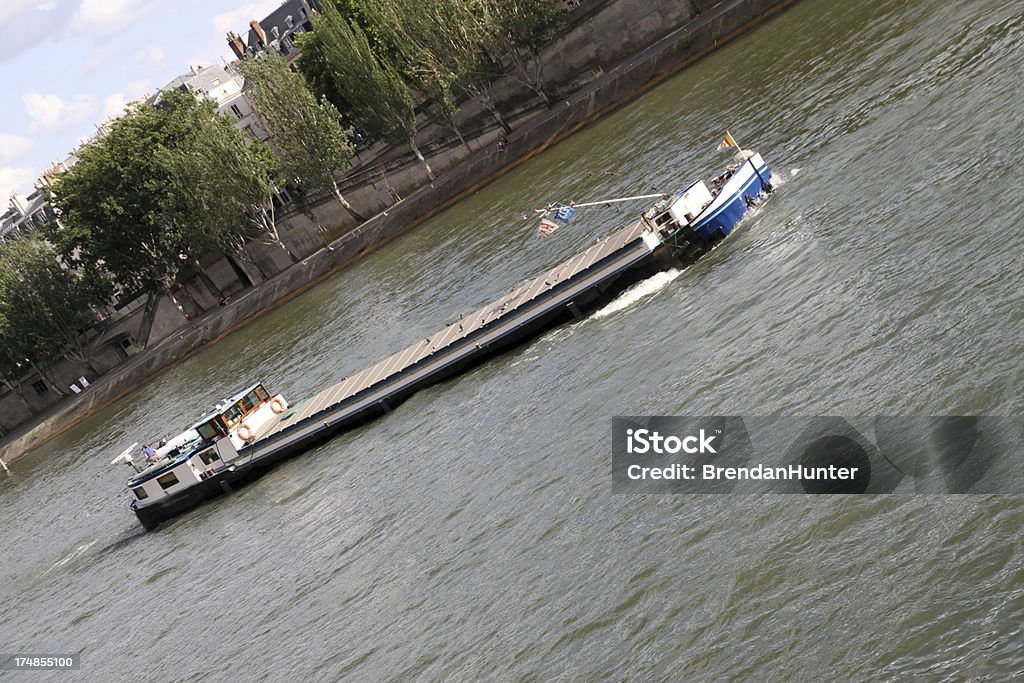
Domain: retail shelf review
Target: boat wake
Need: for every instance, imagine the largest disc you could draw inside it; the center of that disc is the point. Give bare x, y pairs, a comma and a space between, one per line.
777, 180
640, 290
68, 557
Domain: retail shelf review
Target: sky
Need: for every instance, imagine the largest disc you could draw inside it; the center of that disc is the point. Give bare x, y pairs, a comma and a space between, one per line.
68, 65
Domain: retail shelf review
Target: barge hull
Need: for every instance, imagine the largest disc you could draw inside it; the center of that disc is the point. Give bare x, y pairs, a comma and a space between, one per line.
320, 427
570, 290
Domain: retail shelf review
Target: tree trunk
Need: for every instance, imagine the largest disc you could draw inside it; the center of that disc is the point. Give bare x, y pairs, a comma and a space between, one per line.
419, 155
148, 316
19, 393
186, 297
497, 117
207, 280
458, 134
344, 203
50, 381
543, 95
80, 356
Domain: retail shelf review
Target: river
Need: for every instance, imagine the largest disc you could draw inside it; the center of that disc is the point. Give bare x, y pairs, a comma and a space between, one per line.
472, 533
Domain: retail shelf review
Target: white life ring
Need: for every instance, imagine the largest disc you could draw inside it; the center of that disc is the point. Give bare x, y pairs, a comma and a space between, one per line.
278, 406
248, 432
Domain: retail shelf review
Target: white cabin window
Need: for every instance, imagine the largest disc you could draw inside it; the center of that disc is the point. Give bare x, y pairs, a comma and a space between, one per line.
167, 481
140, 492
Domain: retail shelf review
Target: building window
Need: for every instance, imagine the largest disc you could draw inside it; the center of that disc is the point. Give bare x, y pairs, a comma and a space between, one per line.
40, 387
167, 481
236, 111
140, 493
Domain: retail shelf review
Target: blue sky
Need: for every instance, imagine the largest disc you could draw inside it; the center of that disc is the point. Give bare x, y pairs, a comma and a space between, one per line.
68, 65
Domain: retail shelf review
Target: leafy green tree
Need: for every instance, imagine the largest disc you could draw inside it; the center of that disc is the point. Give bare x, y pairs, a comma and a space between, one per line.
514, 31
435, 46
165, 184
376, 92
47, 307
14, 348
312, 143
222, 186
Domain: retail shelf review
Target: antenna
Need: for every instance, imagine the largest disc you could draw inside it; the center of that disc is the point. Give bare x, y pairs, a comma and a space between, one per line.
126, 457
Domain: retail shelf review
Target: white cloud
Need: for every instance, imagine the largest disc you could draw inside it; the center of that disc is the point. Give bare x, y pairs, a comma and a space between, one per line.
151, 57
14, 180
107, 17
51, 112
145, 56
114, 104
101, 56
12, 8
237, 20
136, 89
13, 147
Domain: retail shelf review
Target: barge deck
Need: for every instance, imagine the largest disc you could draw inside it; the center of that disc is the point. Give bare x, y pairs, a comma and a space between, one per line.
665, 236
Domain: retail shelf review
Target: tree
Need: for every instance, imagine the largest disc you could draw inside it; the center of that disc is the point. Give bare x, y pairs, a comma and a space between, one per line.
436, 46
308, 133
515, 31
223, 186
46, 307
13, 351
373, 86
165, 182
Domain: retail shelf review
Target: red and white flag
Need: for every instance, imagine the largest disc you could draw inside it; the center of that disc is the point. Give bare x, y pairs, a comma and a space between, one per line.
546, 227
728, 142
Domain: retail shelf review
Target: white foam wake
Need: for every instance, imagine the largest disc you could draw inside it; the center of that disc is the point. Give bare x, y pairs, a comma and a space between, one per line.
779, 181
74, 554
639, 291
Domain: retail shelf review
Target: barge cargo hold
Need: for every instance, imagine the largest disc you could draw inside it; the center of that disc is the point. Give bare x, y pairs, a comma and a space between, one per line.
253, 431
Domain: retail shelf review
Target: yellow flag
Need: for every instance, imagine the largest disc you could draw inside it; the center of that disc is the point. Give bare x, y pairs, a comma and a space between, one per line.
728, 142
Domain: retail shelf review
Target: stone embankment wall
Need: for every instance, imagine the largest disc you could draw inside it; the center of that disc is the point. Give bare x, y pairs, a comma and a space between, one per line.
459, 174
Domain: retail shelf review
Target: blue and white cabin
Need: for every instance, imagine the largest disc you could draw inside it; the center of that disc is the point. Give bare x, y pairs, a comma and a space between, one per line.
712, 213
208, 446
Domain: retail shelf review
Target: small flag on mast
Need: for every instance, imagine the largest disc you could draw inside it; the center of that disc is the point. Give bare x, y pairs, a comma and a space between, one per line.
728, 142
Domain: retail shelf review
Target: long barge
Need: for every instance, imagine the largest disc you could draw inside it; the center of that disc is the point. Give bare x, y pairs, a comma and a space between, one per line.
252, 432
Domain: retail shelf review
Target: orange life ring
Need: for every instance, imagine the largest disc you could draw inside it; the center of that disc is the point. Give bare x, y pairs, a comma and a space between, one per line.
248, 432
278, 406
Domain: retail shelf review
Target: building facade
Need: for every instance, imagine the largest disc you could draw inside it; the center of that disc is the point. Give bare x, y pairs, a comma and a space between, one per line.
277, 30
223, 86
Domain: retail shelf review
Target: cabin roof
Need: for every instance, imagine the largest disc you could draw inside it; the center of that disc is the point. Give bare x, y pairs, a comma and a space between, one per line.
155, 471
224, 405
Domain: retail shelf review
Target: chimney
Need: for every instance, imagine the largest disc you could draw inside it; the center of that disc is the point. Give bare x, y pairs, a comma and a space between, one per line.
237, 46
260, 35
